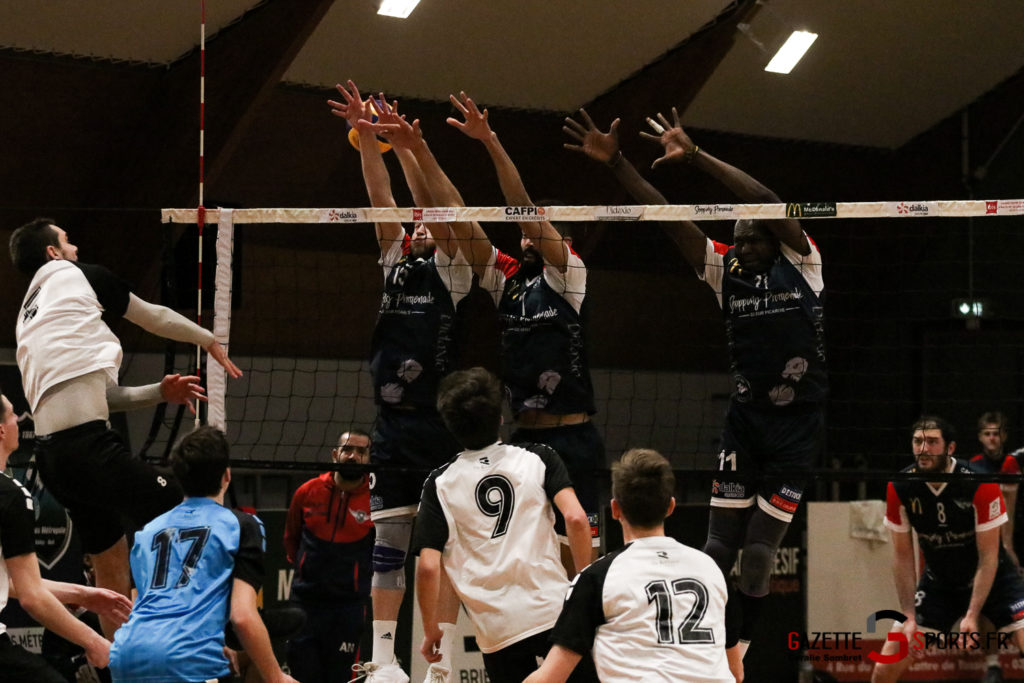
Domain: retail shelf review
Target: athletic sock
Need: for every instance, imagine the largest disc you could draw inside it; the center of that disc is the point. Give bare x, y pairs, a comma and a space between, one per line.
384, 641
751, 614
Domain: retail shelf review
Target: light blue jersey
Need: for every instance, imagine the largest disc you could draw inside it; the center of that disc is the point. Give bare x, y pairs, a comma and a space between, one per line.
183, 564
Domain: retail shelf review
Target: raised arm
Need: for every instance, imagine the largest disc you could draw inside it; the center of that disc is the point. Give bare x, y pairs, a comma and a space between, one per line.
375, 173
476, 126
604, 148
680, 148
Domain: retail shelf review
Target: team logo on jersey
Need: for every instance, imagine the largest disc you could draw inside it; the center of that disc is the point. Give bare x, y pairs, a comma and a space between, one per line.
549, 381
795, 369
782, 395
484, 460
994, 509
742, 388
1017, 609
409, 370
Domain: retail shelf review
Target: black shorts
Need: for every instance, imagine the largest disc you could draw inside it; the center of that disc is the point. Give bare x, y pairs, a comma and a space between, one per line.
779, 443
582, 450
407, 445
90, 471
328, 644
515, 662
940, 607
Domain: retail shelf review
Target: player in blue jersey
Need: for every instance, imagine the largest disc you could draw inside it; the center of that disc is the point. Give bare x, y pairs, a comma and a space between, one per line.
544, 363
195, 567
770, 288
426, 277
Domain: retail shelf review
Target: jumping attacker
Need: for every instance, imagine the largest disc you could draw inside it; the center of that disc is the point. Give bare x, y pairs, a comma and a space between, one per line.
966, 572
543, 351
69, 360
769, 286
652, 610
425, 277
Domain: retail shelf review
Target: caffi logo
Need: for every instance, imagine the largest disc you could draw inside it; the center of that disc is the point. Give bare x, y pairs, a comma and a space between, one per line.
810, 209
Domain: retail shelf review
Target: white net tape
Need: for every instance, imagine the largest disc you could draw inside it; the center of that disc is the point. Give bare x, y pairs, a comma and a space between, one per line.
666, 212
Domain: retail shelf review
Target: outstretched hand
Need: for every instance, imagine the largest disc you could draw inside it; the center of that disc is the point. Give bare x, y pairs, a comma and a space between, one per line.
603, 147
353, 109
678, 145
218, 353
182, 389
393, 127
475, 125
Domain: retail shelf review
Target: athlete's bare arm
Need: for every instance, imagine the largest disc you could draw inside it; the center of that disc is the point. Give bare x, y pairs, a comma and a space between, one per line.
428, 586
603, 147
557, 666
577, 527
550, 243
680, 148
988, 559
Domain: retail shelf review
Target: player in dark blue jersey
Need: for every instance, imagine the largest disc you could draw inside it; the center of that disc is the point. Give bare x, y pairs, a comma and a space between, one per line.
195, 567
966, 573
770, 289
540, 299
426, 276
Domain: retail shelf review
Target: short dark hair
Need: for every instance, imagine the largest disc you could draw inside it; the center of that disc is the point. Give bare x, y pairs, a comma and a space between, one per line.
936, 422
3, 410
470, 405
355, 432
29, 242
643, 485
992, 417
200, 460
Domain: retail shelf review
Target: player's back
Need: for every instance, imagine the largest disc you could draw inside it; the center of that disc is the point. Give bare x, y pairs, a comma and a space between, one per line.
502, 553
664, 613
183, 564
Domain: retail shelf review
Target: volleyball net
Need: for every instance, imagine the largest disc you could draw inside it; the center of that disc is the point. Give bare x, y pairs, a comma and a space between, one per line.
297, 292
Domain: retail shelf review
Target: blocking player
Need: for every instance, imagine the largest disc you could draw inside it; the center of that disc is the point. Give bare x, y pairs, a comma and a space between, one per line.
426, 276
486, 520
652, 610
195, 567
966, 572
69, 360
770, 288
20, 579
543, 349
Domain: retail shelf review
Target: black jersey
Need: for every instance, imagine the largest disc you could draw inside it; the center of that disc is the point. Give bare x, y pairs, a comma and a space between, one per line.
774, 326
17, 529
947, 518
543, 356
414, 340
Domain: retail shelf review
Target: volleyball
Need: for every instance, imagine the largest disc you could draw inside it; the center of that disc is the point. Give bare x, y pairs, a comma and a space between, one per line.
353, 134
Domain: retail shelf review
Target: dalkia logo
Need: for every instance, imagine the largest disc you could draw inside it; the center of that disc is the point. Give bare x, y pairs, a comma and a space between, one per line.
810, 209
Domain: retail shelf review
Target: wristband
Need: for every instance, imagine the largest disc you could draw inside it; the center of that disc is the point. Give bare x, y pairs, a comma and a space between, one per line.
691, 154
614, 161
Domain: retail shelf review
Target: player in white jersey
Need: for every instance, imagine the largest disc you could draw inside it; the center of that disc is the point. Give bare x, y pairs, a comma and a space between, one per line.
653, 610
69, 360
487, 520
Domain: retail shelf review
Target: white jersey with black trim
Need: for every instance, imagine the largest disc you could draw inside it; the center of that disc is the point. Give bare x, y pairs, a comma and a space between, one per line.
490, 514
651, 611
60, 332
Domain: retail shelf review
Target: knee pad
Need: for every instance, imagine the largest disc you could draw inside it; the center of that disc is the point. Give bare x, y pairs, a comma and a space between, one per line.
390, 551
725, 531
756, 568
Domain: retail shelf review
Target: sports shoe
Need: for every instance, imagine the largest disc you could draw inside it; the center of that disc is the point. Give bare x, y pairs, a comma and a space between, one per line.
436, 673
372, 672
993, 674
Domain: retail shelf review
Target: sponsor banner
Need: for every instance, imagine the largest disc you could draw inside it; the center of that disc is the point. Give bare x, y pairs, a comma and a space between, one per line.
911, 209
525, 213
715, 211
435, 214
343, 216
810, 209
1005, 207
618, 213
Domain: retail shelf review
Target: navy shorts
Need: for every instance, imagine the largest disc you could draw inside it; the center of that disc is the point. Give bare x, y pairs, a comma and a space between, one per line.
407, 446
582, 451
940, 607
765, 455
91, 472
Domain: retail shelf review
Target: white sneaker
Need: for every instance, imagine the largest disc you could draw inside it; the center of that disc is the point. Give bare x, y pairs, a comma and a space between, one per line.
372, 672
437, 673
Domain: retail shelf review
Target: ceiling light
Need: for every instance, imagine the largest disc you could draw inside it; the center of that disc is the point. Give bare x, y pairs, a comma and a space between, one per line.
398, 8
791, 52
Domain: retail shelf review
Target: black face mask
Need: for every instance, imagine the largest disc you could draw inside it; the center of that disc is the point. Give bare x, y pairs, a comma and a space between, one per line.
346, 474
534, 265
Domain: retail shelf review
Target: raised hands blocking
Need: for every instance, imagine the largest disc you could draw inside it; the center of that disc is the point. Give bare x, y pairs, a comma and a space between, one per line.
475, 125
599, 146
678, 145
353, 109
393, 127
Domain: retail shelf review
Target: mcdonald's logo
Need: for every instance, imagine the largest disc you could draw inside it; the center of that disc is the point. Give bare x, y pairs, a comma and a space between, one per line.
810, 209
